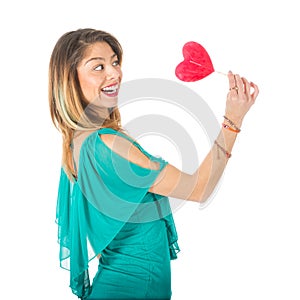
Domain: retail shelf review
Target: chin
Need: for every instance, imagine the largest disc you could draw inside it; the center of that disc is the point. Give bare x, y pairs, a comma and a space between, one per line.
110, 101
105, 102
109, 104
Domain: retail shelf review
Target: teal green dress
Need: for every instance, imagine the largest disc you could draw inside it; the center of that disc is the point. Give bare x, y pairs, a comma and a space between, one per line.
109, 210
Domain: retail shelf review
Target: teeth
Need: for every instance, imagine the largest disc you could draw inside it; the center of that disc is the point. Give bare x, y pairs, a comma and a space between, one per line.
110, 88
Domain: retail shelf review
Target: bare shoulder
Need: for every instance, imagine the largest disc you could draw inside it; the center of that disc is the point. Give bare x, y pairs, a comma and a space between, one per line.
128, 150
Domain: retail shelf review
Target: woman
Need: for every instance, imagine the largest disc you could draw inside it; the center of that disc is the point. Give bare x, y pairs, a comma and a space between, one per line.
113, 195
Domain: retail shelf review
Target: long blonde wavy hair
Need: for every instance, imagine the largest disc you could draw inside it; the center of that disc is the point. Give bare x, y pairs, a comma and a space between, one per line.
66, 100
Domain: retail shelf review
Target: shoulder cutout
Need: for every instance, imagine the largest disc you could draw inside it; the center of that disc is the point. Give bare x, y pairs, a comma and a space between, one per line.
128, 150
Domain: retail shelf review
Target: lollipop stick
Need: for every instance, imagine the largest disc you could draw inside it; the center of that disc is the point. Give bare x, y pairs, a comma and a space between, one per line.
193, 62
222, 73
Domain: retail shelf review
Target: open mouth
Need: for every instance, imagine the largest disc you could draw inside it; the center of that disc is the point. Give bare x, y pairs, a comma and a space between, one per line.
111, 90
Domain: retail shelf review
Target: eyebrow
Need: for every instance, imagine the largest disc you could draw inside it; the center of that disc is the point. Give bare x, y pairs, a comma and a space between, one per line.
99, 58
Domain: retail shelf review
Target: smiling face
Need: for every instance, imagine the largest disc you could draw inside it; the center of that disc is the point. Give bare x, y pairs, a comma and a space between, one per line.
100, 75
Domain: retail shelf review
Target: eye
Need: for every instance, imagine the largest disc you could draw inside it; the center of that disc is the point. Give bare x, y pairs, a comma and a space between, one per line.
115, 63
99, 68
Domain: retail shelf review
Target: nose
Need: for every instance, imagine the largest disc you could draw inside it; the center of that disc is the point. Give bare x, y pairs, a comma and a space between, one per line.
112, 72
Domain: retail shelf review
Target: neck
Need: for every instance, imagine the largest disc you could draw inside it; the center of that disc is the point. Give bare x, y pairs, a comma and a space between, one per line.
98, 113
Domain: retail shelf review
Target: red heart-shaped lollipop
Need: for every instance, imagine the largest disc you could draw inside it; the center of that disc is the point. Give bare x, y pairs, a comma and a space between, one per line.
196, 64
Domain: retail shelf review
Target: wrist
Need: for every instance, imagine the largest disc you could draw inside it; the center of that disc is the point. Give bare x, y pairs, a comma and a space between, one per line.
231, 123
232, 129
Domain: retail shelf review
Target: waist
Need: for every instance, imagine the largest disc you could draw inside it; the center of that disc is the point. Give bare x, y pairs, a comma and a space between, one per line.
138, 242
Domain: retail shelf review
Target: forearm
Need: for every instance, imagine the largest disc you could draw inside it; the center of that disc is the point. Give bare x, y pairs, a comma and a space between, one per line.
211, 169
198, 186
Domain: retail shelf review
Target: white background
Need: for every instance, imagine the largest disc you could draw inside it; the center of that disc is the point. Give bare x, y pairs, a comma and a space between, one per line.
245, 244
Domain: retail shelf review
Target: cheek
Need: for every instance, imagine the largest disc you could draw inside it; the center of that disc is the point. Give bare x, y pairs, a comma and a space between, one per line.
89, 87
120, 74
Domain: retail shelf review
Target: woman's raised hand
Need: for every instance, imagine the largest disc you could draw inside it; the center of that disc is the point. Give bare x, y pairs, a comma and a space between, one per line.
241, 96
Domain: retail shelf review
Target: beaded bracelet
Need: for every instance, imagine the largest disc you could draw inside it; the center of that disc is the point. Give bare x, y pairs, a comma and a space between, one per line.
229, 128
232, 124
228, 155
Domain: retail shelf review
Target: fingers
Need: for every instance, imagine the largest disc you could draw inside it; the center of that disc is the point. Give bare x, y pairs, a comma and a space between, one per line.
239, 83
236, 84
246, 87
231, 80
255, 92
